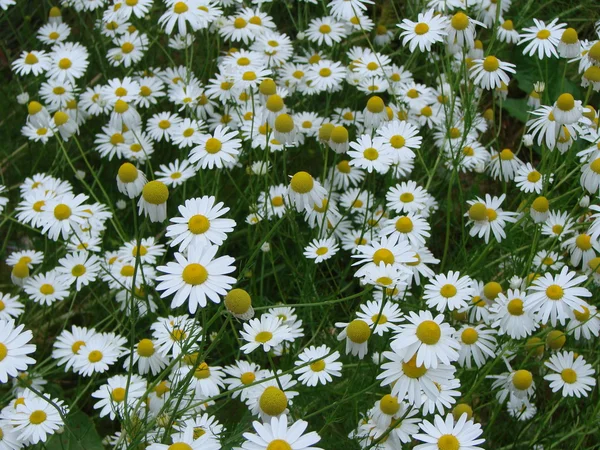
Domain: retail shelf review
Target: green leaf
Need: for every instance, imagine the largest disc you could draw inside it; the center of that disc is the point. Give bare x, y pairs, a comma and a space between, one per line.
79, 434
517, 108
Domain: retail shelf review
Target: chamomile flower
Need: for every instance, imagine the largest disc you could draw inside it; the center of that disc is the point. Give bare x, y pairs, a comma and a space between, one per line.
573, 376
509, 316
449, 433
528, 179
582, 248
554, 298
369, 154
47, 288
304, 191
200, 224
585, 324
241, 375
69, 61
62, 214
325, 30
153, 201
426, 31
356, 334
145, 354
119, 392
216, 150
34, 62
477, 343
204, 380
488, 218
196, 277
448, 291
321, 249
270, 398
542, 39
407, 197
275, 434
490, 73
97, 354
80, 268
14, 348
38, 417
558, 224
427, 337
504, 165
266, 332
381, 317
323, 365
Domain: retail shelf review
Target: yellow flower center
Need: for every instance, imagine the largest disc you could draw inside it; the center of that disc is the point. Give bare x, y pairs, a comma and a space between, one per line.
506, 155
515, 307
273, 401
127, 270
213, 145
543, 34
155, 193
407, 197
371, 154
62, 212
3, 351
448, 442
460, 21
429, 332
522, 379
279, 444
358, 331
302, 182
145, 348
565, 102
318, 366
127, 47
78, 270
375, 104
584, 242
198, 224
469, 336
179, 445
118, 394
180, 8
65, 64
325, 29
248, 378
569, 376
389, 405
37, 417
95, 356
411, 370
421, 28
20, 270
491, 64
383, 255
582, 316
194, 274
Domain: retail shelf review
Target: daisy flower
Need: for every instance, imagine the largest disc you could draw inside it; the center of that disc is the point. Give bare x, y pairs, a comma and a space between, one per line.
14, 349
182, 13
558, 224
401, 138
29, 257
477, 343
508, 315
585, 324
582, 247
268, 332
381, 317
47, 288
147, 358
487, 217
573, 375
504, 165
304, 191
325, 30
271, 396
553, 298
80, 268
507, 33
97, 354
528, 179
196, 278
153, 201
186, 439
200, 224
119, 392
325, 75
218, 150
62, 214
69, 61
448, 291
370, 155
427, 337
10, 307
429, 29
490, 73
410, 381
321, 249
68, 343
204, 380
38, 417
406, 197
449, 433
160, 126
542, 39
275, 434
323, 365
242, 375
356, 334
35, 62
388, 250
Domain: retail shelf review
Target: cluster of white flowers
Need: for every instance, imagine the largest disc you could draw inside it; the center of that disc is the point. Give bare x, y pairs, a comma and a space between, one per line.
368, 161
